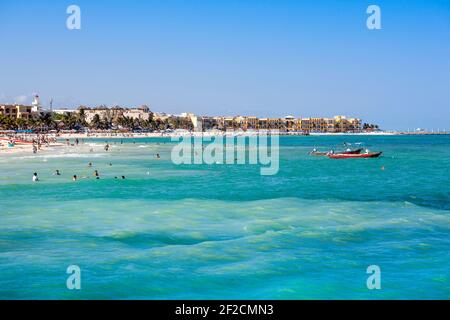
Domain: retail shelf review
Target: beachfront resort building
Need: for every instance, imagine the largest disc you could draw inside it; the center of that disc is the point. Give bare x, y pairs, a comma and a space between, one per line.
286, 124
331, 125
342, 124
246, 123
140, 113
18, 112
110, 114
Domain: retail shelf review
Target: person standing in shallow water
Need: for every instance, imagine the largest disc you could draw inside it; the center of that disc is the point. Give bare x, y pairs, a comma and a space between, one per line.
35, 177
96, 174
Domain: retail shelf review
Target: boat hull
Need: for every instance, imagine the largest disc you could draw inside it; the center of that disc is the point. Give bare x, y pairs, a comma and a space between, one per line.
354, 156
318, 153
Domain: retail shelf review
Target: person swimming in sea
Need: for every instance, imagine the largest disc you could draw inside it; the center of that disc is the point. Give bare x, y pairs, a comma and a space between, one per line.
158, 156
96, 174
90, 164
107, 147
123, 177
57, 173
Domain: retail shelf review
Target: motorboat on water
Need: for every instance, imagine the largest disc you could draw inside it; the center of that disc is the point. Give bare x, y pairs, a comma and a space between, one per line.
318, 153
354, 156
348, 151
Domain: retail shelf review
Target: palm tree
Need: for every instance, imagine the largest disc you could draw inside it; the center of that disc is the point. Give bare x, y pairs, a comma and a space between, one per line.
96, 122
70, 121
81, 117
6, 123
106, 122
21, 123
47, 121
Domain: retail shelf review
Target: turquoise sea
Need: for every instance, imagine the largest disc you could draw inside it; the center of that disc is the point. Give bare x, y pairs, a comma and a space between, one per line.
225, 231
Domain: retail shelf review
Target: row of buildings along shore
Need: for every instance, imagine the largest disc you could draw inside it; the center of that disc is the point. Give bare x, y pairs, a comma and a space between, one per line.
197, 123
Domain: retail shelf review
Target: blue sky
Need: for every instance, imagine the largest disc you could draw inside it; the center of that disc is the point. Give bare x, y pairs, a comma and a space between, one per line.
263, 58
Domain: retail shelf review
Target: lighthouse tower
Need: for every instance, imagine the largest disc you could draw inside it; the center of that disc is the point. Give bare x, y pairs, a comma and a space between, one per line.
36, 104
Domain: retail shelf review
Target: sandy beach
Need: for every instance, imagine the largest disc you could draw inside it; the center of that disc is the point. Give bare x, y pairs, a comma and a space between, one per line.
26, 148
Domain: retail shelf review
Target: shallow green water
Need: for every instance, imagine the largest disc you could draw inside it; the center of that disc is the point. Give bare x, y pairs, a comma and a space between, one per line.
225, 231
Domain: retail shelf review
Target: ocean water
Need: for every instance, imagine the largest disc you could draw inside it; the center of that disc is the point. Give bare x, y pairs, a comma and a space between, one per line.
225, 231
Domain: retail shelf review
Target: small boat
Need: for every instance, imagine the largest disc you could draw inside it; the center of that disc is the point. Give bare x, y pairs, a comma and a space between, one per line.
320, 153
354, 156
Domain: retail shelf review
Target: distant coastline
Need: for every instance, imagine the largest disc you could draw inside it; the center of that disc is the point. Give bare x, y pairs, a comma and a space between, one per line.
83, 119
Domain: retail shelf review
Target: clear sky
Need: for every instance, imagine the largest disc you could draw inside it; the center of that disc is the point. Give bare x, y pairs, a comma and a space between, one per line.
265, 58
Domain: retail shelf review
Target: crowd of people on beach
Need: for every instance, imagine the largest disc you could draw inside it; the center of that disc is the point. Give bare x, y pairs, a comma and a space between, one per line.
35, 141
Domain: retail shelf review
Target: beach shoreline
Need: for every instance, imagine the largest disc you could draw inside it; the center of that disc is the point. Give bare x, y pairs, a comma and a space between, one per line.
27, 148
64, 139
234, 133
